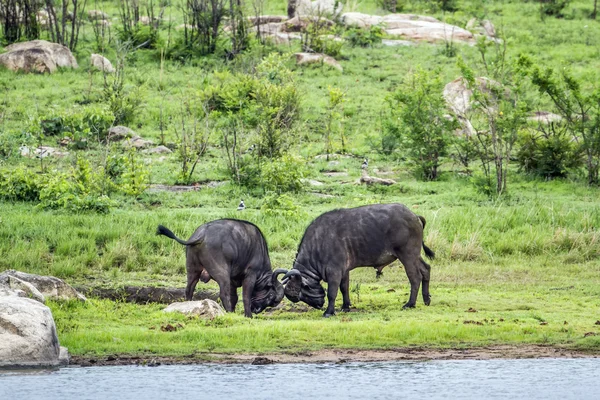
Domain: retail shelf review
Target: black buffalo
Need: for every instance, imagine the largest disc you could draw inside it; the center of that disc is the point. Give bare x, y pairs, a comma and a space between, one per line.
234, 253
339, 241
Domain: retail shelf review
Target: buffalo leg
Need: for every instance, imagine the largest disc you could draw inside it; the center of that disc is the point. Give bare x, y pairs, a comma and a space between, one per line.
332, 289
345, 288
412, 266
192, 280
247, 289
234, 296
426, 271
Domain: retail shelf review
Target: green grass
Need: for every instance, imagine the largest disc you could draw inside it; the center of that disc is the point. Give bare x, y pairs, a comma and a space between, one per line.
531, 257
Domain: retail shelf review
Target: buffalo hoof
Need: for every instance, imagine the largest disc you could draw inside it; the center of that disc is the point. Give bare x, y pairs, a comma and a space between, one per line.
427, 300
327, 315
346, 309
408, 305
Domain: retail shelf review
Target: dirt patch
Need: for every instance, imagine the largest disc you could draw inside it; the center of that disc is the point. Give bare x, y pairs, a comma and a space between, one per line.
345, 355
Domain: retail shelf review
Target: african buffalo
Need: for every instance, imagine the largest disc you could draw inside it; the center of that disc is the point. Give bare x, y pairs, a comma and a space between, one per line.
341, 240
234, 253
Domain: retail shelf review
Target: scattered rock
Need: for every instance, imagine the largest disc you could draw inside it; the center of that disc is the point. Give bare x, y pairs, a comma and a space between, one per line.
587, 334
332, 174
171, 188
543, 323
471, 309
159, 150
97, 15
311, 58
312, 182
65, 141
42, 152
207, 309
28, 334
545, 117
396, 43
102, 63
262, 361
467, 322
145, 20
138, 143
37, 56
484, 27
597, 322
170, 328
118, 133
371, 180
49, 286
299, 24
103, 23
323, 195
360, 20
266, 19
282, 38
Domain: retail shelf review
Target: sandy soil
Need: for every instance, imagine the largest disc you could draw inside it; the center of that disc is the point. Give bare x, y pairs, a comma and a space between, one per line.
345, 355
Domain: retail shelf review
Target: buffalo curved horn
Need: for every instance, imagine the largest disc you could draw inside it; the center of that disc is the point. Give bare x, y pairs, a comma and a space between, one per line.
291, 273
278, 272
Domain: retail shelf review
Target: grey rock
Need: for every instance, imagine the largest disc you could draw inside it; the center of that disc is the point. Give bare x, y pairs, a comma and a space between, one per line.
49, 286
101, 63
159, 150
117, 133
207, 309
37, 56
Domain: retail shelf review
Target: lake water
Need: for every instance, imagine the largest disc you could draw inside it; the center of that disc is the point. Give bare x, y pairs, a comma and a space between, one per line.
465, 379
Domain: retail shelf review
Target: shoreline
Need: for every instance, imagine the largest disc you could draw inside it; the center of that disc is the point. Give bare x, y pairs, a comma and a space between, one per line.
339, 356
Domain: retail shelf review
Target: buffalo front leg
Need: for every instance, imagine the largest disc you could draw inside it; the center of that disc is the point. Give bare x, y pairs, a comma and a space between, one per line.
247, 289
345, 288
332, 290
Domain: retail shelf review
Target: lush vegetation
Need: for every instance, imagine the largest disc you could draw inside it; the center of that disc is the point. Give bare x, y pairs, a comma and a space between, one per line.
513, 218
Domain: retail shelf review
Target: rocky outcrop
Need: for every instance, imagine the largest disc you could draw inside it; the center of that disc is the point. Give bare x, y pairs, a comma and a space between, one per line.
484, 27
159, 150
410, 26
372, 180
118, 133
318, 7
266, 19
101, 63
27, 333
42, 152
207, 309
458, 97
138, 142
22, 288
37, 56
544, 117
49, 286
312, 58
97, 15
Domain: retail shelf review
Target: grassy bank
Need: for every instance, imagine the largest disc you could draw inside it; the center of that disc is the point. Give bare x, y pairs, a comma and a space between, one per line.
521, 269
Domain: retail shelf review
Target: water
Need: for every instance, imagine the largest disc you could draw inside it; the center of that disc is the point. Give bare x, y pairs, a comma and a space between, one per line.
466, 379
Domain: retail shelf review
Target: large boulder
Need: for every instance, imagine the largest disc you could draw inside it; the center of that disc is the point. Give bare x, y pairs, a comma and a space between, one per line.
37, 56
138, 142
118, 133
411, 26
28, 334
97, 15
312, 58
20, 288
318, 7
102, 63
49, 286
206, 308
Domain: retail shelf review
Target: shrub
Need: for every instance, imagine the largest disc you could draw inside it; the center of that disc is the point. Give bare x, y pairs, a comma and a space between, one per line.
279, 175
20, 185
549, 155
358, 37
280, 205
81, 125
553, 8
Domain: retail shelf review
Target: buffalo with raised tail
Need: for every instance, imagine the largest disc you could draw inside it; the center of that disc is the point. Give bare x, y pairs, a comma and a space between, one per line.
234, 253
370, 236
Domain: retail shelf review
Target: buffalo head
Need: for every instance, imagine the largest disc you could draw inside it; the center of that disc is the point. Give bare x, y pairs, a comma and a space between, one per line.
271, 295
299, 288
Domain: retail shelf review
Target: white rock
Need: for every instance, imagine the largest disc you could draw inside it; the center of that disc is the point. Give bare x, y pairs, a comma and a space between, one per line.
159, 150
27, 334
101, 63
49, 286
206, 308
311, 58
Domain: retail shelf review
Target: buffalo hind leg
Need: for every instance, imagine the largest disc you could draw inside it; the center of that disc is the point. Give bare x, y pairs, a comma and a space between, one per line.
345, 288
412, 266
426, 271
234, 295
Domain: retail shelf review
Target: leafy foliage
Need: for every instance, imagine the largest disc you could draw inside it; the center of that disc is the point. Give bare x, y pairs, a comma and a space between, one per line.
358, 37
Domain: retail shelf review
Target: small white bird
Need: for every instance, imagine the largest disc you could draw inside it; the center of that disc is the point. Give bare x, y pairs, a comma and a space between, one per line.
242, 206
365, 164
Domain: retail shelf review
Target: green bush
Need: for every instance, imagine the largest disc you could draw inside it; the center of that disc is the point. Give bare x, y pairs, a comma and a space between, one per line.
20, 185
548, 156
358, 37
281, 205
80, 124
553, 8
278, 175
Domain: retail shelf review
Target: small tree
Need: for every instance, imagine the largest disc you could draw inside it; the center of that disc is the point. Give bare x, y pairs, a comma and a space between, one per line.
497, 113
425, 129
580, 110
334, 119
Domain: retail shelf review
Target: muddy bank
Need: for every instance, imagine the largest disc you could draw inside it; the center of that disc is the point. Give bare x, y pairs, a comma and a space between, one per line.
144, 295
344, 355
